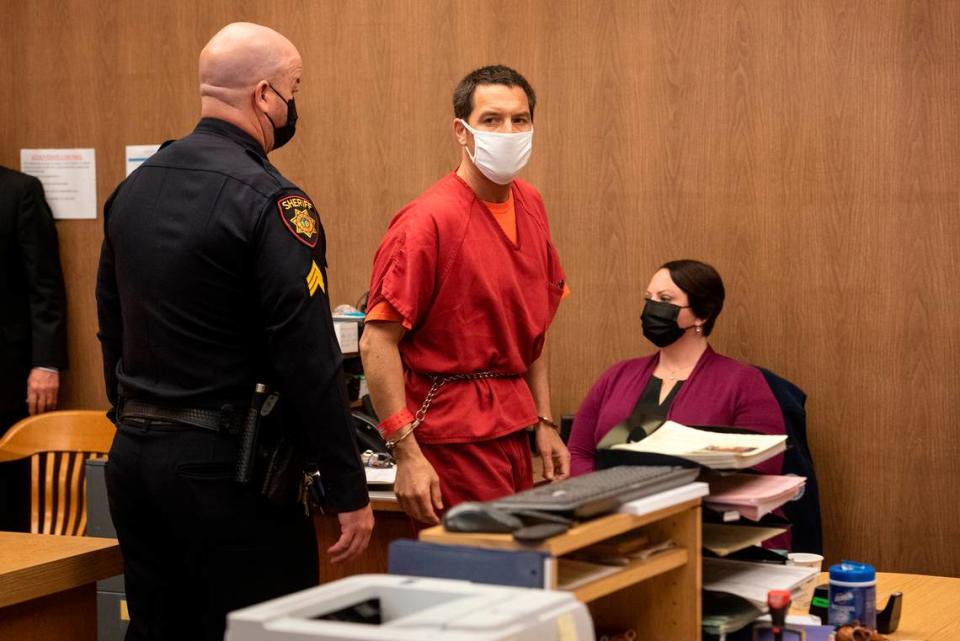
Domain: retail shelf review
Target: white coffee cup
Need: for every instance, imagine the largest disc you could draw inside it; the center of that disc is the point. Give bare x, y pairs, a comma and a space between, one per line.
807, 560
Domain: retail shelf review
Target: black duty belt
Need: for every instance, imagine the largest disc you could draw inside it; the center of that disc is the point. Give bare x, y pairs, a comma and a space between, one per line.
227, 420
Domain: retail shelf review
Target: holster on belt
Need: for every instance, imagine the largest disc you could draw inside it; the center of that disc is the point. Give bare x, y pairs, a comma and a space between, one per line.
268, 459
250, 436
282, 473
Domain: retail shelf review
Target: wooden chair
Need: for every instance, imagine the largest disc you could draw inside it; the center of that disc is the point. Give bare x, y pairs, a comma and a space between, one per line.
58, 444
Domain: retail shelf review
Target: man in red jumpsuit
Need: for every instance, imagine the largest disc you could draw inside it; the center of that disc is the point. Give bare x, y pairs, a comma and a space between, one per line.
464, 286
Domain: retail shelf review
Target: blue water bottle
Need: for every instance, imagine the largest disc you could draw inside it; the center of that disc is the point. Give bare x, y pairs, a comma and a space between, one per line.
853, 594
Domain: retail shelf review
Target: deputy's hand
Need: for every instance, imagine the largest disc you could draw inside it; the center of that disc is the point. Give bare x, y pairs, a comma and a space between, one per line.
556, 458
417, 485
42, 390
355, 530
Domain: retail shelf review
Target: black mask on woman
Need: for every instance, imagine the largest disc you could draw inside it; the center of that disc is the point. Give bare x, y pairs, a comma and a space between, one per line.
282, 135
659, 321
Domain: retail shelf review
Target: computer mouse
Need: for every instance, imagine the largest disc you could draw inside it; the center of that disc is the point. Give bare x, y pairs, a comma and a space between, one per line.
479, 517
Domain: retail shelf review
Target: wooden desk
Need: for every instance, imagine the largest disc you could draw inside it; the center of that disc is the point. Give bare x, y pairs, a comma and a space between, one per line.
931, 605
48, 585
659, 598
391, 523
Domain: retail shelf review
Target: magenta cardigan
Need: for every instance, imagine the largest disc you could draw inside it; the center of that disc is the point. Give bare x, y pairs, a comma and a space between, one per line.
719, 391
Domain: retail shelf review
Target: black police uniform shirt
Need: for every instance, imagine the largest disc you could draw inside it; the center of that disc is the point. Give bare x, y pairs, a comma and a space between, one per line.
212, 278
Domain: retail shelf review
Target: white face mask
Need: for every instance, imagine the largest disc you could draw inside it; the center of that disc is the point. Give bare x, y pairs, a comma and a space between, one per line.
498, 156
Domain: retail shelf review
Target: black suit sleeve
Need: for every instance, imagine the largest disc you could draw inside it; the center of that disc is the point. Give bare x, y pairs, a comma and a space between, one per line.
108, 310
304, 355
37, 235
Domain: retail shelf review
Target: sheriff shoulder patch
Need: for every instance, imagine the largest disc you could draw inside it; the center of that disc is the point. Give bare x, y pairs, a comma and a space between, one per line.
300, 217
315, 280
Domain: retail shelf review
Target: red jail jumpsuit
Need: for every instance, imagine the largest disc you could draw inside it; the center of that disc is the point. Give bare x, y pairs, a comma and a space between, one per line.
473, 298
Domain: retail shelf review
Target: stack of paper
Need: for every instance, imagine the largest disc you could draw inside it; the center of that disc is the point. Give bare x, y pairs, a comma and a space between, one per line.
717, 450
726, 613
752, 581
573, 574
346, 327
752, 495
727, 539
380, 475
618, 546
667, 498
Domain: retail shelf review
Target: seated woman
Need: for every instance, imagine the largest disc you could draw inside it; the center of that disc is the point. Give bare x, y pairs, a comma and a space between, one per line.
685, 380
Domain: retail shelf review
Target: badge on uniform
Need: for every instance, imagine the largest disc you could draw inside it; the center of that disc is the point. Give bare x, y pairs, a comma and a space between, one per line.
300, 217
315, 280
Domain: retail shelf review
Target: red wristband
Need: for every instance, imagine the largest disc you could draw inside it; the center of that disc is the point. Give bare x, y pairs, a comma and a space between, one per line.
393, 423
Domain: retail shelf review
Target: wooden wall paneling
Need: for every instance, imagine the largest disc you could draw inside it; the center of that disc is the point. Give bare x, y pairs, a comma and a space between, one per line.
372, 79
828, 181
916, 315
590, 97
808, 149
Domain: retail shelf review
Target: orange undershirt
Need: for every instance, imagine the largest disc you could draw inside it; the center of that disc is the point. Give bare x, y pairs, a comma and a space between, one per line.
506, 216
504, 213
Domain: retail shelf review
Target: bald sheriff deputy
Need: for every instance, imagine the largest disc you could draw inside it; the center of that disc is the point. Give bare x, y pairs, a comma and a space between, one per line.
212, 279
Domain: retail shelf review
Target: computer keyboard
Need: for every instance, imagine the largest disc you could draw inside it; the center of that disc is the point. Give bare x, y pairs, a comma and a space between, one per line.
599, 492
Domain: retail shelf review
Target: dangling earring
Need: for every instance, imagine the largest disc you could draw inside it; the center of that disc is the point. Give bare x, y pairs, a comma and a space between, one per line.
699, 330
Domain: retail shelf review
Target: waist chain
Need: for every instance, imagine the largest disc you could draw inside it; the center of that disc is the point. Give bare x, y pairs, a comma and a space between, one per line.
439, 380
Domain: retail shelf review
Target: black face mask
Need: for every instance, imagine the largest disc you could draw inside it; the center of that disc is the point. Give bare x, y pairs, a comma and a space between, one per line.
282, 135
659, 321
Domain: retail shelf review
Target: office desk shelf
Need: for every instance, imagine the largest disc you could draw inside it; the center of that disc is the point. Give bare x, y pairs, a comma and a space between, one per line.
575, 538
633, 572
659, 597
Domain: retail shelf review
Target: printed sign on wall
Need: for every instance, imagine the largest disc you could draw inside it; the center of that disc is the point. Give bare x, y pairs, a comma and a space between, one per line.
69, 178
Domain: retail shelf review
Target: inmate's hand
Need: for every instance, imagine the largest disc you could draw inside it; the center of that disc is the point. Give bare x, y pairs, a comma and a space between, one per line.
556, 458
417, 485
42, 390
355, 530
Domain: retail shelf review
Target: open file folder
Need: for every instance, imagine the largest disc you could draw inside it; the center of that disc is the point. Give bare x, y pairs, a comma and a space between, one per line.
716, 450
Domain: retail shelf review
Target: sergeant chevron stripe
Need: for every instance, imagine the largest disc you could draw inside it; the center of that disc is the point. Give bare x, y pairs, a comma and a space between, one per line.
315, 279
